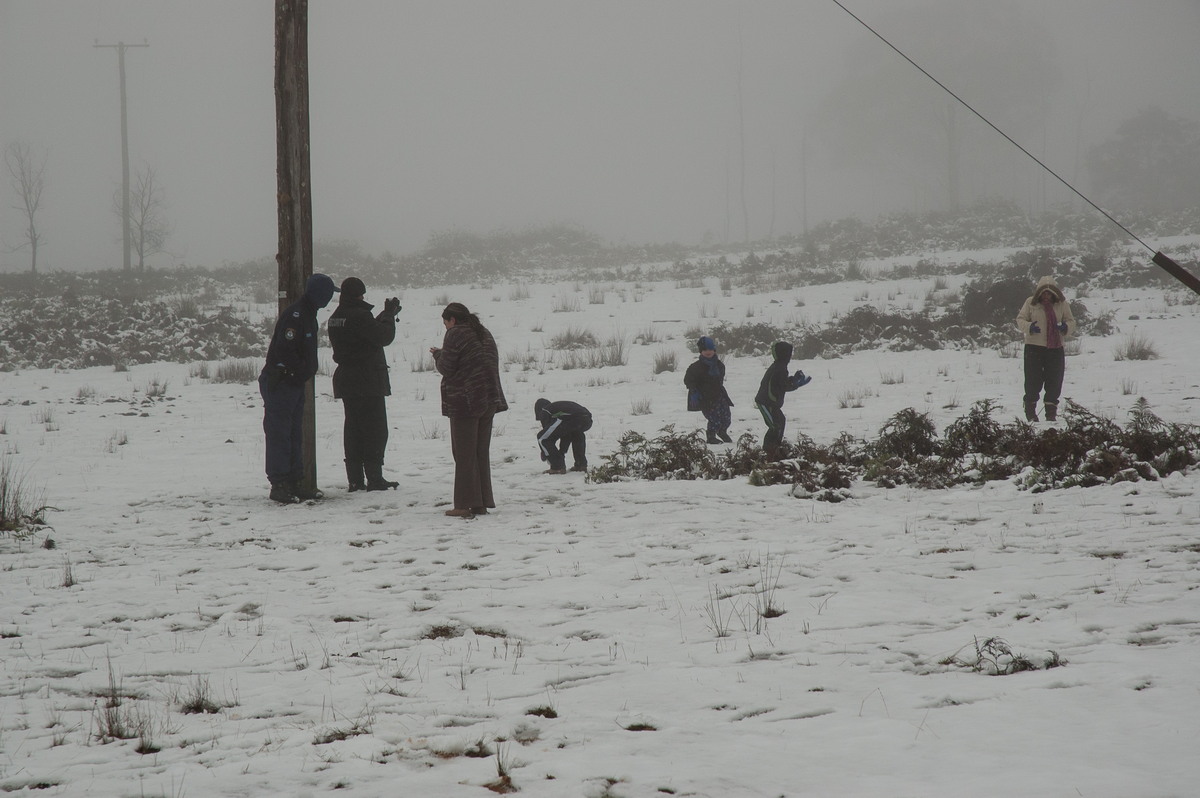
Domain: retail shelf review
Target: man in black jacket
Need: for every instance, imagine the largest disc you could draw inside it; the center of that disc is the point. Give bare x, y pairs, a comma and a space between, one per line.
563, 427
361, 382
291, 362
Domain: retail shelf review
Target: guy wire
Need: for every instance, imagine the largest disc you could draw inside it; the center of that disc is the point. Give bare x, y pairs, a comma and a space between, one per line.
988, 122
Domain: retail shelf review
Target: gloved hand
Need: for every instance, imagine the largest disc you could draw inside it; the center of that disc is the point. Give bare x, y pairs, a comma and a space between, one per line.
391, 306
801, 379
1034, 328
1062, 326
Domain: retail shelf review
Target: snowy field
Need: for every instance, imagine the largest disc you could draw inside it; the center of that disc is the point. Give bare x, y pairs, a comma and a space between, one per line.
596, 639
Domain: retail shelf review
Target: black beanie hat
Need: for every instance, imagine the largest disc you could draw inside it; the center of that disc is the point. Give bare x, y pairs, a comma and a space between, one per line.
353, 287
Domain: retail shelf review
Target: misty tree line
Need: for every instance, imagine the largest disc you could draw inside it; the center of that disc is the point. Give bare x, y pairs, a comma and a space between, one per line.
26, 170
1150, 168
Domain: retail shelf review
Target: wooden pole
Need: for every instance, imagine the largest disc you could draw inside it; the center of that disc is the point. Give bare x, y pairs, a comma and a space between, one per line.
295, 256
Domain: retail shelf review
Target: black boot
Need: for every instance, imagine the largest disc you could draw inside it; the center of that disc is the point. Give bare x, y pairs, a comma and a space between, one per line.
1031, 411
375, 480
1051, 412
724, 435
712, 437
354, 476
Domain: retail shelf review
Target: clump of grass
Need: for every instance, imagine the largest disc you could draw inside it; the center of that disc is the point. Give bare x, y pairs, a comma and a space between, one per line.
852, 398
573, 338
995, 657
199, 700
118, 438
503, 783
664, 361
236, 371
111, 719
518, 292
424, 362
21, 508
565, 304
614, 352
339, 733
1135, 347
639, 407
156, 388
187, 307
648, 335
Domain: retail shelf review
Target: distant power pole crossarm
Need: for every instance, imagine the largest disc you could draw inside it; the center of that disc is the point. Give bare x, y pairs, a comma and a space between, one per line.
121, 47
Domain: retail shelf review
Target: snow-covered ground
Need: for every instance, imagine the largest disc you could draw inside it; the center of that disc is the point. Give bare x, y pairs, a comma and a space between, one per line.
596, 639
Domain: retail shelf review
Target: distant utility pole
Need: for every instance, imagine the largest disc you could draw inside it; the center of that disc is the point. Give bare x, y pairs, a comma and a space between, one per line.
294, 194
121, 47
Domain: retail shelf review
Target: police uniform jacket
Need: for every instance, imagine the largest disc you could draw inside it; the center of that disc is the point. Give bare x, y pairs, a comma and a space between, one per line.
358, 339
292, 353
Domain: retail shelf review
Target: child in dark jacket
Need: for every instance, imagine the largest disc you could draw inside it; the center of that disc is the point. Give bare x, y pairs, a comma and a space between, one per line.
776, 383
705, 381
563, 427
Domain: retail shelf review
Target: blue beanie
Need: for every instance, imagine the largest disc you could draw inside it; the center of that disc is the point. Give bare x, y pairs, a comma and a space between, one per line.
706, 343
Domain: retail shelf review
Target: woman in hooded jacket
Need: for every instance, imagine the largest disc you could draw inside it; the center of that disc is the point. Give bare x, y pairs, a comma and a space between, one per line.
1046, 321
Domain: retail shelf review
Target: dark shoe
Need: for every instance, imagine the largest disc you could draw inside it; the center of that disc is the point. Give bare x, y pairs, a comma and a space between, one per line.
356, 486
1051, 412
283, 494
460, 513
578, 467
479, 510
375, 480
1031, 411
307, 495
382, 484
556, 471
724, 435
712, 437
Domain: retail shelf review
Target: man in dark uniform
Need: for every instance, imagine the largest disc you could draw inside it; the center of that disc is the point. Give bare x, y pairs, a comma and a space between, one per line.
291, 362
361, 381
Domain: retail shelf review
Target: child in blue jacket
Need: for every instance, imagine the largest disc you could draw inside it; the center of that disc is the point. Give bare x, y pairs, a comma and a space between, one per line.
705, 381
776, 383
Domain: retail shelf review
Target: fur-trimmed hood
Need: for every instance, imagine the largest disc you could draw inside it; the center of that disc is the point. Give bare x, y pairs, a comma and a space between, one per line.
1048, 283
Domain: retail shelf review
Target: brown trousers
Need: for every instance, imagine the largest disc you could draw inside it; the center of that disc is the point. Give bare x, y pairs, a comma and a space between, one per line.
471, 443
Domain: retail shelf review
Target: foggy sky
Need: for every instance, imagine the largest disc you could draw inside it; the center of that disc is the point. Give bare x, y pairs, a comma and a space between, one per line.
620, 116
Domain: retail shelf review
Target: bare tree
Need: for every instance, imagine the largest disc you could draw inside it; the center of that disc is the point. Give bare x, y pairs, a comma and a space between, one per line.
148, 226
25, 173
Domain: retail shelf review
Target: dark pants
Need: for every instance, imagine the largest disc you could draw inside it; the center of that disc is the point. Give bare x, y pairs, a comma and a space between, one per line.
365, 431
563, 436
283, 424
719, 417
776, 422
568, 440
1044, 368
471, 444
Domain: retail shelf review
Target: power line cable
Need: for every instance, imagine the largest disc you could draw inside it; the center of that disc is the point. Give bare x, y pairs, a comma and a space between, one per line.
988, 122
